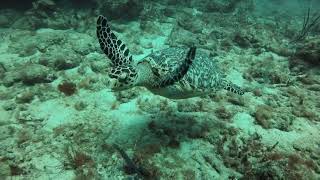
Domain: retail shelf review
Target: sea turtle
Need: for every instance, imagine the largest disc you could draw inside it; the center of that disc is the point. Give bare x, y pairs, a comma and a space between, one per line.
175, 72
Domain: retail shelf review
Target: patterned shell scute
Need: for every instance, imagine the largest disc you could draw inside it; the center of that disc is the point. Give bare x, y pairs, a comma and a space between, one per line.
203, 75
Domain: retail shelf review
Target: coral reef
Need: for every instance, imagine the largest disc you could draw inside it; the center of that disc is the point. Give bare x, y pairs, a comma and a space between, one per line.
307, 55
115, 9
59, 119
29, 74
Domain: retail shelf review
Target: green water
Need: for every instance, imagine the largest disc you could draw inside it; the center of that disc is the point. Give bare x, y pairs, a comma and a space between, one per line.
190, 89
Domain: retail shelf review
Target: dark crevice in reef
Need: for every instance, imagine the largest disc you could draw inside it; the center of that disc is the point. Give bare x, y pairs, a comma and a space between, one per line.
16, 4
27, 4
80, 4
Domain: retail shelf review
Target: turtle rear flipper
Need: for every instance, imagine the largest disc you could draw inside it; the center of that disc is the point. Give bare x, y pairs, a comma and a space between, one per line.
180, 71
114, 48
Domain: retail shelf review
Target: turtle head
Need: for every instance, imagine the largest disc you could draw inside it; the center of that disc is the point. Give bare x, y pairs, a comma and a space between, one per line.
123, 77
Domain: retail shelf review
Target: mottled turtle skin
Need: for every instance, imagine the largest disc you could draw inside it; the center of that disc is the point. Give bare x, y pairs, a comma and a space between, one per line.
174, 72
203, 77
127, 73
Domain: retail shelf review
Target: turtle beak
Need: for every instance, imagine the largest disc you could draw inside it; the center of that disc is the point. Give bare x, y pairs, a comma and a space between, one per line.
113, 83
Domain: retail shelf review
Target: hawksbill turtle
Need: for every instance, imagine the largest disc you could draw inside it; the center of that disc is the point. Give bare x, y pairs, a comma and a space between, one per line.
176, 72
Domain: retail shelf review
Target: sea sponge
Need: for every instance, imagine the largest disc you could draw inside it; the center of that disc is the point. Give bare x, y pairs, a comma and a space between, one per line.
223, 113
68, 88
263, 115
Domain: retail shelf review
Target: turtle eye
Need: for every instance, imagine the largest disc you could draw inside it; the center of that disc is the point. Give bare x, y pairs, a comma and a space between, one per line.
123, 75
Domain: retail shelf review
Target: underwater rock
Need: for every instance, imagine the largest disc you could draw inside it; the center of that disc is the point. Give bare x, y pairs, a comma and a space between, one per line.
216, 5
5, 170
150, 27
169, 11
21, 23
52, 43
9, 105
28, 22
61, 50
29, 74
80, 105
192, 106
270, 69
55, 14
306, 112
44, 4
98, 66
125, 96
242, 40
82, 44
8, 17
309, 79
4, 21
122, 9
2, 70
174, 128
10, 78
309, 52
263, 116
23, 43
33, 22
190, 22
36, 73
189, 38
25, 97
63, 64
223, 113
217, 137
60, 59
42, 8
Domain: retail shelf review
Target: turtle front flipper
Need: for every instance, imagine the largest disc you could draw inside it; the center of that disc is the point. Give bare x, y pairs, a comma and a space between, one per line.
180, 71
229, 86
114, 48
